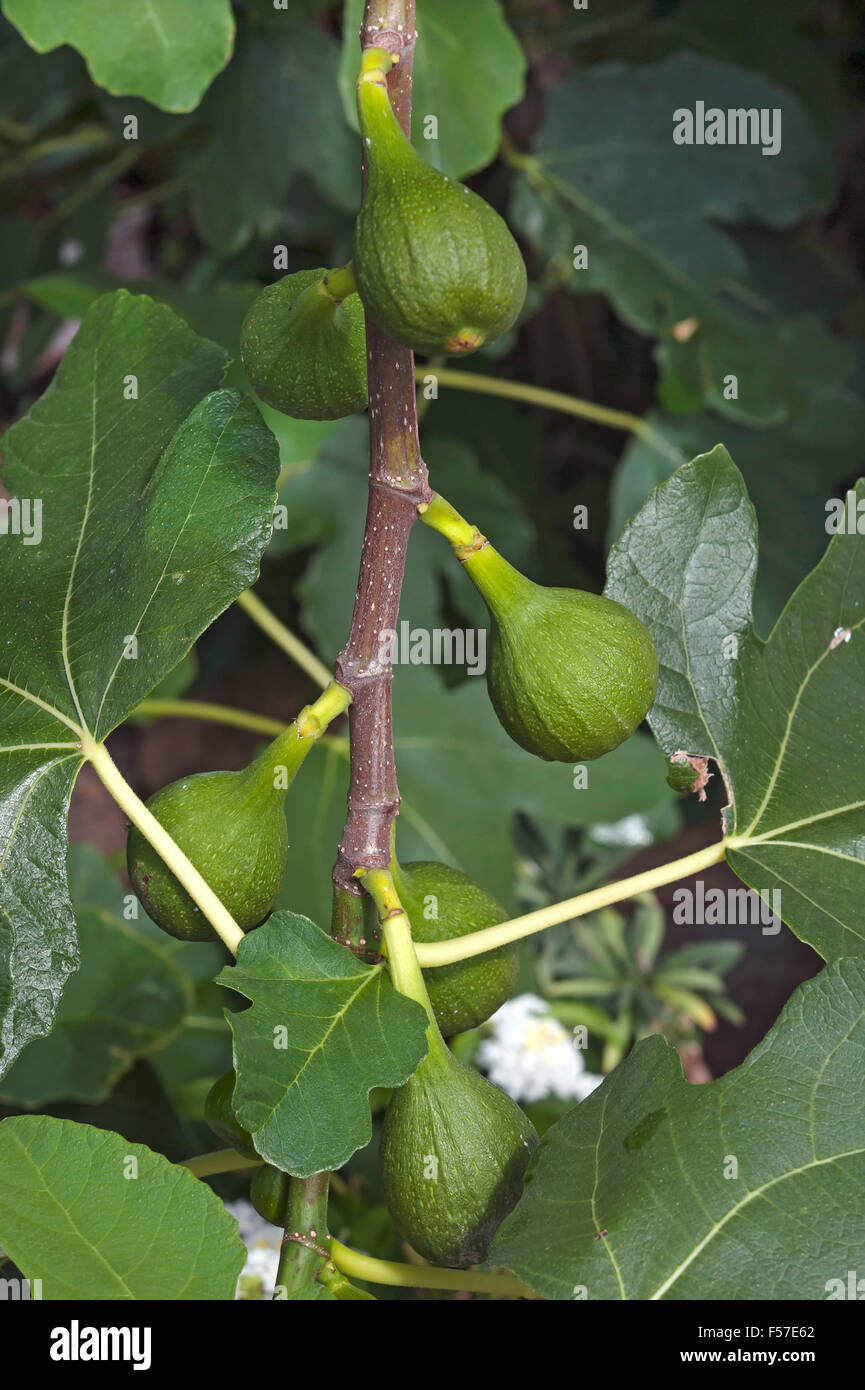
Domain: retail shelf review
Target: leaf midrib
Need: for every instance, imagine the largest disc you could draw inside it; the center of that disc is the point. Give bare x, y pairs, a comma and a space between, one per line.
67, 600
791, 716
41, 704
745, 1201
190, 510
625, 237
52, 1197
768, 836
734, 1211
43, 772
337, 1018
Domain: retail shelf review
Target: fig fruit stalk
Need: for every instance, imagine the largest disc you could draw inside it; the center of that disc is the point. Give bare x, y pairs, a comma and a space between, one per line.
571, 674
441, 904
454, 1148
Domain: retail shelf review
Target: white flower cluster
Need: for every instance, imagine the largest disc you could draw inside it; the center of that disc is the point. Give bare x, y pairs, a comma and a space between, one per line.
258, 1278
531, 1055
631, 833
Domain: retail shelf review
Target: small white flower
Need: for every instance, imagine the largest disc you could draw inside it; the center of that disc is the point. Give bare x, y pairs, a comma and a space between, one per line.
70, 251
630, 833
262, 1241
531, 1055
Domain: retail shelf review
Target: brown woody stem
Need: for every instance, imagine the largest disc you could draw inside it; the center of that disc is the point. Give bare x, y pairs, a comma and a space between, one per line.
397, 486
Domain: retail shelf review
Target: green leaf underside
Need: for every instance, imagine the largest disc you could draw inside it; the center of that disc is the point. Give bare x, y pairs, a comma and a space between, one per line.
276, 82
733, 31
129, 998
781, 717
607, 174
134, 546
303, 1093
95, 1217
646, 1159
201, 1048
163, 51
821, 448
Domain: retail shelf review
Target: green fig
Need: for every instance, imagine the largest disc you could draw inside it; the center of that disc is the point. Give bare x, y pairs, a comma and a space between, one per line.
232, 827
454, 1152
570, 674
681, 774
436, 267
304, 349
442, 903
268, 1193
219, 1114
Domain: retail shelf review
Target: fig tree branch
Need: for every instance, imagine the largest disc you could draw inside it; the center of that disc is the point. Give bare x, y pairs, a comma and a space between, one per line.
397, 486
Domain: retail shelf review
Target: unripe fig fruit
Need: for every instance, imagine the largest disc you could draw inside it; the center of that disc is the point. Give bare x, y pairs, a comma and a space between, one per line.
570, 674
303, 350
442, 903
232, 827
268, 1193
219, 1114
436, 267
454, 1151
682, 776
